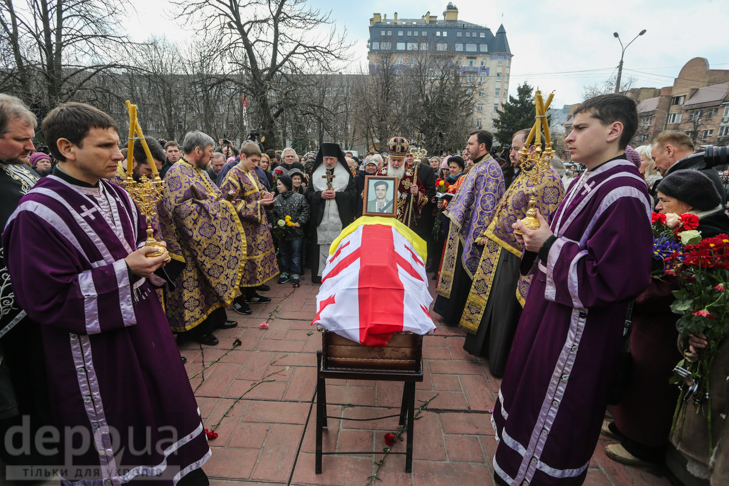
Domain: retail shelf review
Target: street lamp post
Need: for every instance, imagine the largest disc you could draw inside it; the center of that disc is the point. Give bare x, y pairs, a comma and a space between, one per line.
620, 66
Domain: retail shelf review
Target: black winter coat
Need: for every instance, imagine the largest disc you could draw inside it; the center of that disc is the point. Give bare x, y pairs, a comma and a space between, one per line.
292, 204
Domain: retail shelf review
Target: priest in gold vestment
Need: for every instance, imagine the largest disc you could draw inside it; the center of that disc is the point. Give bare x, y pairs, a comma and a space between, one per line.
498, 293
250, 200
207, 270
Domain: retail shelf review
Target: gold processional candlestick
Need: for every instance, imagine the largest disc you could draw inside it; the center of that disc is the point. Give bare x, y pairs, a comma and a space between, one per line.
146, 193
418, 154
540, 161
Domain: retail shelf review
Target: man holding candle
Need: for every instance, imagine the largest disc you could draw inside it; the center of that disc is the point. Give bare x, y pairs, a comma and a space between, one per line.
592, 260
498, 292
212, 245
119, 395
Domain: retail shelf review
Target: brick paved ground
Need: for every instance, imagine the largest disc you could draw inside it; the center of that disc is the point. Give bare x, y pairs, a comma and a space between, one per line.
268, 436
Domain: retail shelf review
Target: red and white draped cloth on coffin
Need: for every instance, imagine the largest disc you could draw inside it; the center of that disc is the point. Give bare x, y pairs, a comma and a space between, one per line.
374, 283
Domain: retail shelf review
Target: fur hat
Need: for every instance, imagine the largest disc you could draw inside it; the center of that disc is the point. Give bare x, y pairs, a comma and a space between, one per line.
691, 187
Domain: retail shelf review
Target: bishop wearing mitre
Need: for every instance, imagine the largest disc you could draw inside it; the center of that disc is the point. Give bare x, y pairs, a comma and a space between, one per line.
410, 191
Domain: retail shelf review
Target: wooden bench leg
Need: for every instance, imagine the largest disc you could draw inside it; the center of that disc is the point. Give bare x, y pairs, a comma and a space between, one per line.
410, 391
321, 412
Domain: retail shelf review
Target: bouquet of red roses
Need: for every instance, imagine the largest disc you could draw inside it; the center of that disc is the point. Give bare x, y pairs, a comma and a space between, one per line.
278, 172
703, 303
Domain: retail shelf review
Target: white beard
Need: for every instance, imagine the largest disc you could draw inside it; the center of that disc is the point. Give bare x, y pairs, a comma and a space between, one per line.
392, 172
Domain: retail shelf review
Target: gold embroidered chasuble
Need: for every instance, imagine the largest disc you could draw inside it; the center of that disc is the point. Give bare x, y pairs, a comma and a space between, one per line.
500, 237
260, 260
212, 246
470, 212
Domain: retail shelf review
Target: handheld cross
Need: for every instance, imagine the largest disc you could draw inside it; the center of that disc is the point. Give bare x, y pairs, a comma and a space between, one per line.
329, 178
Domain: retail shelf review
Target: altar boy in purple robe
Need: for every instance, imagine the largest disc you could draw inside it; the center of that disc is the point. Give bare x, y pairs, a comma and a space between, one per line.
121, 401
591, 262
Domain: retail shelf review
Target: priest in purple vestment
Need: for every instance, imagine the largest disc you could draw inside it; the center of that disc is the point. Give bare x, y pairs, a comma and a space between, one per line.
120, 398
470, 213
591, 262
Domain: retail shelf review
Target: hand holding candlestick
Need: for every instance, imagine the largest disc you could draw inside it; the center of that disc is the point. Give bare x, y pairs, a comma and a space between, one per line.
145, 193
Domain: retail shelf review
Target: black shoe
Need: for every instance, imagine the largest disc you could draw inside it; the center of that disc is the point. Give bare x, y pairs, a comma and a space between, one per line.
227, 325
207, 340
184, 360
315, 279
263, 288
240, 306
257, 299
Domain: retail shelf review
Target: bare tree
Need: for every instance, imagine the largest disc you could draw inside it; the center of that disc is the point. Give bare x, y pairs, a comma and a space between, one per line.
59, 46
426, 98
269, 44
608, 87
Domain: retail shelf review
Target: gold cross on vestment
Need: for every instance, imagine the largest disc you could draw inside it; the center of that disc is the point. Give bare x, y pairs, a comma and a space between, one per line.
329, 178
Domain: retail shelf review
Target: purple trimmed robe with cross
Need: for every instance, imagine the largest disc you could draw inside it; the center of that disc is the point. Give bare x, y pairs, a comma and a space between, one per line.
114, 371
554, 392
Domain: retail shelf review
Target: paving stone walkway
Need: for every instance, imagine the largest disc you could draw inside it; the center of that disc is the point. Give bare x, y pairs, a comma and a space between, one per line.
267, 437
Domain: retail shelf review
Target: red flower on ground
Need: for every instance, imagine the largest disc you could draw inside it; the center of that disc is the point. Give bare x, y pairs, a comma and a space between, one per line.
212, 435
263, 325
389, 439
237, 343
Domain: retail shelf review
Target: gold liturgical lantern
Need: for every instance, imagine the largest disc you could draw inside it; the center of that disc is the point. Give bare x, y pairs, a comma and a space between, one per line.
541, 160
146, 193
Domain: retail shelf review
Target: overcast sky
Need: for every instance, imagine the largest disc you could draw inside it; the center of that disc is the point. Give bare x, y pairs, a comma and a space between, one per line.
560, 45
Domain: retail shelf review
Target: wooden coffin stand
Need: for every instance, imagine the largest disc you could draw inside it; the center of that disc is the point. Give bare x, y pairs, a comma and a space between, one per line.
342, 359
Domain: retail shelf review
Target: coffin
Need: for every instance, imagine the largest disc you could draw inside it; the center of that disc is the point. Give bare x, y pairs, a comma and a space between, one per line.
403, 354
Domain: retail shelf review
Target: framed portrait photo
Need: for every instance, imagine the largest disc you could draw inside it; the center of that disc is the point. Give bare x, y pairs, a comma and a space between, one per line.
380, 196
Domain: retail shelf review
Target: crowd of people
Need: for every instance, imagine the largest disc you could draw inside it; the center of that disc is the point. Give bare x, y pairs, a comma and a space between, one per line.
545, 305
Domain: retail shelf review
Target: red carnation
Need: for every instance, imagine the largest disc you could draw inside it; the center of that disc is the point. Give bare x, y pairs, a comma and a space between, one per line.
212, 435
660, 217
389, 439
703, 313
719, 288
689, 222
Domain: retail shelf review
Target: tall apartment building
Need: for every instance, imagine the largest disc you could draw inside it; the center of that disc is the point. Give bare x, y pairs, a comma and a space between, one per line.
483, 58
